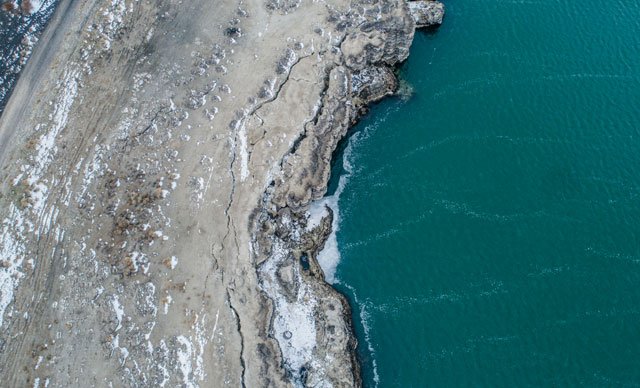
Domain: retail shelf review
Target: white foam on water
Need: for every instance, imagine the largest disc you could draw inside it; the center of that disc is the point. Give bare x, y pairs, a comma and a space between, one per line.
365, 319
329, 256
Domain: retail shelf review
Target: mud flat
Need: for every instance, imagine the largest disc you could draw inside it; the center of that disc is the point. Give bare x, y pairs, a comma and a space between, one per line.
158, 162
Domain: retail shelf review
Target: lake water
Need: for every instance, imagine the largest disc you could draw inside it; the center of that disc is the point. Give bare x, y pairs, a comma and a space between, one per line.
489, 226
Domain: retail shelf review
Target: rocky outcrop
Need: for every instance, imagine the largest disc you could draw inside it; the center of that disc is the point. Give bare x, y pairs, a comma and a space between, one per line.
376, 39
155, 188
427, 13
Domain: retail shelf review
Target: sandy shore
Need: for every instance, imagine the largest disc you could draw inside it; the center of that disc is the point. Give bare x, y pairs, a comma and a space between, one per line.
158, 162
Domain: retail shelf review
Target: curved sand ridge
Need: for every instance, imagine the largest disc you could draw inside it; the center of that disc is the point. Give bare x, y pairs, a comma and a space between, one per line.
158, 161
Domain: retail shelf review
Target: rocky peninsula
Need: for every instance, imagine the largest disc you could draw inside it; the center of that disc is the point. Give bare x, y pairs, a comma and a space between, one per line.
157, 164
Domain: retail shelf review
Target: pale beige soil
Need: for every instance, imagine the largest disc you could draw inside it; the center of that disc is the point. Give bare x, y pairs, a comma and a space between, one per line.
158, 158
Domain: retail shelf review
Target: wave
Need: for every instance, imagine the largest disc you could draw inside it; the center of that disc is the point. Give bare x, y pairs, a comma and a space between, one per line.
365, 319
329, 256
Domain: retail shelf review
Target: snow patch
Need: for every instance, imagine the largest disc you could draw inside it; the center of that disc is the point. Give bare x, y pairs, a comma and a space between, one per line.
294, 322
119, 310
166, 303
191, 354
34, 6
184, 360
12, 252
46, 147
244, 155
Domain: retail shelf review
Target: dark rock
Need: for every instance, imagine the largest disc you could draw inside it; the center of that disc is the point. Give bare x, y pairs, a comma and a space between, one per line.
426, 13
233, 32
373, 83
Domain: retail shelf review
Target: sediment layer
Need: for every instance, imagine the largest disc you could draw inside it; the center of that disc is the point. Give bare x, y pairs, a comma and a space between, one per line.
158, 162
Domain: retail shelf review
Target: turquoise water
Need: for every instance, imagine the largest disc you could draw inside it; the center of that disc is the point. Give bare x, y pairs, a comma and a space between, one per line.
489, 226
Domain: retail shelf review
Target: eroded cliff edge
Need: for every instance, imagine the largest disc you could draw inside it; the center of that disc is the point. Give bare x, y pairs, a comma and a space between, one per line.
160, 163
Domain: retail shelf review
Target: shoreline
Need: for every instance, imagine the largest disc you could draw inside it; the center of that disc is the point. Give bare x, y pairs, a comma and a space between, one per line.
154, 195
